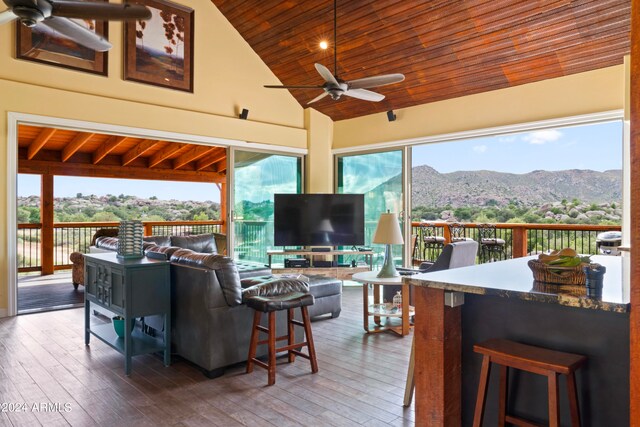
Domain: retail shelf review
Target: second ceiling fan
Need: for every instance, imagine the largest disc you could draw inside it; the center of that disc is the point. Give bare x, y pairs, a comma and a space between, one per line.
336, 87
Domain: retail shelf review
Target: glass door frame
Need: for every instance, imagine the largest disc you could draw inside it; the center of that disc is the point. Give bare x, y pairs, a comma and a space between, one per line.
231, 175
405, 215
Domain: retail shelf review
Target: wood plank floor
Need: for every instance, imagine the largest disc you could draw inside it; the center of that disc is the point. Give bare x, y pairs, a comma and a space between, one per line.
44, 362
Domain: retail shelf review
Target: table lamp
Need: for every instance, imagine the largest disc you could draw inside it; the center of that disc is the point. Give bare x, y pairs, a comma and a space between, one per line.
388, 233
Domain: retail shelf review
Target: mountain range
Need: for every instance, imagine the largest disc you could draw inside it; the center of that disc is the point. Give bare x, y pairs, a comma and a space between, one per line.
488, 188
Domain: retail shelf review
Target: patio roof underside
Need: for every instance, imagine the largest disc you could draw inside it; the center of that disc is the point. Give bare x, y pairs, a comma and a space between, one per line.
50, 151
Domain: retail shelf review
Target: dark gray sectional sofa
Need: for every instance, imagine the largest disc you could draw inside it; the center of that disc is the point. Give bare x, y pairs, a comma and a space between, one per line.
211, 327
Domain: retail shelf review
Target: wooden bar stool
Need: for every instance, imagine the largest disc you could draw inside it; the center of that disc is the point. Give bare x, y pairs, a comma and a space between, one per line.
268, 298
538, 360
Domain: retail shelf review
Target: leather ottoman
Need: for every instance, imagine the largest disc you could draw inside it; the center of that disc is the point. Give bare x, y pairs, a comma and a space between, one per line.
327, 292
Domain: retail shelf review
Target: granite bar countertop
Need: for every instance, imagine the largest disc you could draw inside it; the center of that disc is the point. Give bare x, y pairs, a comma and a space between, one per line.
514, 279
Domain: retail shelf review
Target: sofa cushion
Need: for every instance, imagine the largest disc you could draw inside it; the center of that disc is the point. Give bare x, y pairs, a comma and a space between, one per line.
158, 240
203, 243
223, 267
109, 243
248, 269
153, 250
322, 286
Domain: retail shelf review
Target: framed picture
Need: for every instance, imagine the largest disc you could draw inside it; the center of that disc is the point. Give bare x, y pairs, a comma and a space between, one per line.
160, 51
43, 44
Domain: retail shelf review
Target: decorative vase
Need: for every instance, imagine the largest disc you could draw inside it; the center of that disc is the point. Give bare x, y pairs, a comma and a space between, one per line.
130, 235
118, 325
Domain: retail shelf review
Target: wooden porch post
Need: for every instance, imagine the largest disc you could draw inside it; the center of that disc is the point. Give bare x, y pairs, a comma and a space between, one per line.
46, 219
223, 207
519, 242
634, 327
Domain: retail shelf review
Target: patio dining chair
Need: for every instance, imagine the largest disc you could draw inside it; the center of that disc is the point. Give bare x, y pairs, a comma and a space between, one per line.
457, 232
490, 245
432, 244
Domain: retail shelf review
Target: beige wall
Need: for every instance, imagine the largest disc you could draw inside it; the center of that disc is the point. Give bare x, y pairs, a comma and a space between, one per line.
319, 162
228, 76
595, 91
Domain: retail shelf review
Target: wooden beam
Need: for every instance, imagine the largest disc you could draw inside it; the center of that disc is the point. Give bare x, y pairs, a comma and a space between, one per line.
223, 207
46, 218
211, 158
37, 144
138, 151
164, 154
220, 165
75, 145
193, 154
111, 171
108, 146
634, 229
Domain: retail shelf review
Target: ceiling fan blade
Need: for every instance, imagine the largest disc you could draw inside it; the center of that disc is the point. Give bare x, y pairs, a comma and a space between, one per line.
364, 94
77, 33
292, 87
376, 81
93, 10
318, 98
7, 16
326, 74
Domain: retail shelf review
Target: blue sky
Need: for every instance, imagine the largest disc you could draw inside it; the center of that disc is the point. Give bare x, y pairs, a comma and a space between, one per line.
597, 147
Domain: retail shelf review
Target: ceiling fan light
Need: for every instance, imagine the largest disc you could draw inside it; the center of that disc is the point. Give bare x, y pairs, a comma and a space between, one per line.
324, 45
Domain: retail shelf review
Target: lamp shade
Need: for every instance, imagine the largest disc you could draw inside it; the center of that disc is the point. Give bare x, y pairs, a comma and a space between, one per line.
388, 230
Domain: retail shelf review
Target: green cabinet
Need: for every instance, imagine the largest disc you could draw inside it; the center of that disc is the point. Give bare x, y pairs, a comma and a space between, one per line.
130, 288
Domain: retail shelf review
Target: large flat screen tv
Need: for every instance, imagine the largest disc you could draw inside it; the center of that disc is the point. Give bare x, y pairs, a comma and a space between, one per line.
318, 219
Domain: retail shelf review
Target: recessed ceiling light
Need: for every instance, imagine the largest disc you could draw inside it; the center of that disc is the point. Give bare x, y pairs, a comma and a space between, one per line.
324, 45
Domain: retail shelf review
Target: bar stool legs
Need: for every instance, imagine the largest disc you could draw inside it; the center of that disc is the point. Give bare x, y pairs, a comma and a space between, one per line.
291, 347
550, 363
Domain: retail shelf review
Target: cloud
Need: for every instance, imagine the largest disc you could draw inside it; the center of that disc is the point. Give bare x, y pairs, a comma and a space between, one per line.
507, 139
542, 136
480, 148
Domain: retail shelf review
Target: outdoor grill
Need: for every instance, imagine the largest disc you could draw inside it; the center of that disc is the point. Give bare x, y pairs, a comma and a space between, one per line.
607, 243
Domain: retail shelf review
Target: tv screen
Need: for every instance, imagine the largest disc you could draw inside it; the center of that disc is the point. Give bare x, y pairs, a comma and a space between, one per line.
318, 219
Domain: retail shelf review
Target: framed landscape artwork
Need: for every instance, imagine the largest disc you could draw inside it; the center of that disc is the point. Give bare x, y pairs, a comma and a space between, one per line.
43, 44
160, 51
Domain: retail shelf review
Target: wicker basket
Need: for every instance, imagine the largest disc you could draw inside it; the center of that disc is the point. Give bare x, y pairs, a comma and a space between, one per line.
557, 275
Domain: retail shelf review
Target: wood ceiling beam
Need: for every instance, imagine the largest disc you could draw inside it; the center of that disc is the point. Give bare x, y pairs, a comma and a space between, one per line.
193, 154
108, 146
138, 151
220, 166
75, 145
40, 141
164, 154
110, 171
211, 158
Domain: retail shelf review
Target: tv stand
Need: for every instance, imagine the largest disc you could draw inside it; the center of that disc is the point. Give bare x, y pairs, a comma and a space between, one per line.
342, 273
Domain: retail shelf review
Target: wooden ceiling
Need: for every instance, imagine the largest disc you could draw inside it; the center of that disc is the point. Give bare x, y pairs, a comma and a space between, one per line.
43, 150
445, 48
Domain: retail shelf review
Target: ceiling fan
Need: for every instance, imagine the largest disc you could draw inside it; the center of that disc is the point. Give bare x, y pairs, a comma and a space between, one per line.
55, 14
336, 87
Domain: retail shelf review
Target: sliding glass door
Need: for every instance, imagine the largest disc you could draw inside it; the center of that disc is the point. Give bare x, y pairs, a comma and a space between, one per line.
379, 177
257, 177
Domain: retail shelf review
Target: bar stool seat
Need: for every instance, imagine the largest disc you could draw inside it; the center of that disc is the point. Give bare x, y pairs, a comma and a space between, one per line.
270, 297
537, 360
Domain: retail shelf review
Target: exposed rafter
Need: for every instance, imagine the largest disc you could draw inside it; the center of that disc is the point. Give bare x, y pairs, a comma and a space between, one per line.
44, 136
192, 154
211, 158
110, 145
164, 154
75, 145
138, 151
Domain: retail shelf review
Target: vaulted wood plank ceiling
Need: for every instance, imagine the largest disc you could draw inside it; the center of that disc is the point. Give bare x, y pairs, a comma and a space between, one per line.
445, 48
44, 150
